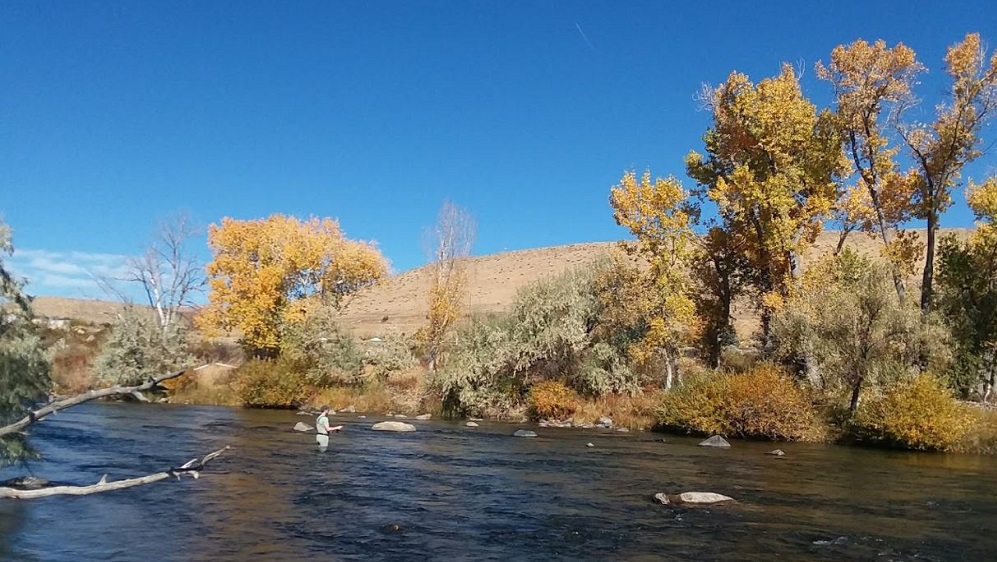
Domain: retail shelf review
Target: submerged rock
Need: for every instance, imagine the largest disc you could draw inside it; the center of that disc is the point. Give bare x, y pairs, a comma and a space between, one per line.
471, 424
303, 427
715, 441
698, 498
424, 417
392, 426
524, 433
776, 453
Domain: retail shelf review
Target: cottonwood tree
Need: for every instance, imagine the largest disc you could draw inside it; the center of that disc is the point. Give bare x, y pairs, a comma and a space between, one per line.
24, 388
940, 150
771, 167
451, 240
652, 301
269, 272
873, 83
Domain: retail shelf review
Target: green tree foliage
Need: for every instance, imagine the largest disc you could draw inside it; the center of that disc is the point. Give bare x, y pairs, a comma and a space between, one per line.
24, 366
967, 294
326, 352
138, 348
847, 329
552, 332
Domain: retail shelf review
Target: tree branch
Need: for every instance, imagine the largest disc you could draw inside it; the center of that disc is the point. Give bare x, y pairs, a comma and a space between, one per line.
191, 467
57, 405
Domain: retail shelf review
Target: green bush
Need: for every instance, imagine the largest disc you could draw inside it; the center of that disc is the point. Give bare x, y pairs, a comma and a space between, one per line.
552, 400
391, 354
764, 403
326, 353
277, 383
919, 413
138, 348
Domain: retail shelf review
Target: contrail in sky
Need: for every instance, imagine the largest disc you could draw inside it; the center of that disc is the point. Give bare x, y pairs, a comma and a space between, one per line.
587, 42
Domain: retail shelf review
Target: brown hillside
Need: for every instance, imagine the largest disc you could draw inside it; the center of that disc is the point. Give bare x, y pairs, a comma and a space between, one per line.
400, 303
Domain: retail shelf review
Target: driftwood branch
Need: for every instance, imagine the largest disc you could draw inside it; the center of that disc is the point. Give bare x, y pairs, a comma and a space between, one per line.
56, 405
191, 468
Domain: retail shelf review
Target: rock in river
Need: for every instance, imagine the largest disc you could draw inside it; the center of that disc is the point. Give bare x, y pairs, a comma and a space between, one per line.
700, 498
392, 426
424, 417
776, 453
302, 427
715, 441
471, 424
524, 433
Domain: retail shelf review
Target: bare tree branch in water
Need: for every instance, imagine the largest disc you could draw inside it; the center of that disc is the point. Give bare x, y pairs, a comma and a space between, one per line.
28, 489
56, 405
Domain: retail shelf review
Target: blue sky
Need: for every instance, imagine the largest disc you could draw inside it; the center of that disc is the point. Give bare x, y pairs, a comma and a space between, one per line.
115, 114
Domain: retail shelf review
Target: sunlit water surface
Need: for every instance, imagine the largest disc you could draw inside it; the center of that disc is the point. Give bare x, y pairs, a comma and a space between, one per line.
448, 492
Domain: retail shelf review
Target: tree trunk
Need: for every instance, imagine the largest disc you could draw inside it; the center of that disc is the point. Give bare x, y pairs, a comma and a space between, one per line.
929, 264
856, 389
669, 374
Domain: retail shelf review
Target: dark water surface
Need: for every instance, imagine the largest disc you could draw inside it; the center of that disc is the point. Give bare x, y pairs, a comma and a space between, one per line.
459, 493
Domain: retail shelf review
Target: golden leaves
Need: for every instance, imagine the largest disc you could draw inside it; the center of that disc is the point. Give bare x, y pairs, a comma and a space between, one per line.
656, 297
270, 272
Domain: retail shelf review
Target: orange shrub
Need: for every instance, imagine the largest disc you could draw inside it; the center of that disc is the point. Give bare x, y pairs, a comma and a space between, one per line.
763, 403
552, 400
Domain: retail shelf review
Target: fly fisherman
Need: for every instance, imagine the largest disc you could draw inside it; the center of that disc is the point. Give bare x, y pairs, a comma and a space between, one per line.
323, 428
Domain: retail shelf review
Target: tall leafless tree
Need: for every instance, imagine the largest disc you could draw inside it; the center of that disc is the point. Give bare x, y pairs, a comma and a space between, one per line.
169, 272
449, 245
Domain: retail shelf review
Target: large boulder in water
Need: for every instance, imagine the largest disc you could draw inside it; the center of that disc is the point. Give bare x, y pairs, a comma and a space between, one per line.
392, 426
697, 498
303, 427
715, 441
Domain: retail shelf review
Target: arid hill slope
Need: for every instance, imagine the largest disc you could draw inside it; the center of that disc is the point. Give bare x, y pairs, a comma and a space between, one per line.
399, 304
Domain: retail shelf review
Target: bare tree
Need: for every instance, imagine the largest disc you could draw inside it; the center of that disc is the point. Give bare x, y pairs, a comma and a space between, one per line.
169, 273
450, 244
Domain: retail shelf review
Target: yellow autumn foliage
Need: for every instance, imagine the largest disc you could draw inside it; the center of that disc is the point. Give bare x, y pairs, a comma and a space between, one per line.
552, 400
762, 403
920, 413
270, 272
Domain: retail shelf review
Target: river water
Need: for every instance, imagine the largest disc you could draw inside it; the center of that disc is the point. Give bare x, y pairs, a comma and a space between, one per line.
448, 492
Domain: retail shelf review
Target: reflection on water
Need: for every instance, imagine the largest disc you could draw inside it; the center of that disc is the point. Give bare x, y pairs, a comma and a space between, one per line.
455, 493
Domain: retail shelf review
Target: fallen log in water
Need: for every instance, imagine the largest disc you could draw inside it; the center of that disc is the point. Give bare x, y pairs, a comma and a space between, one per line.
191, 468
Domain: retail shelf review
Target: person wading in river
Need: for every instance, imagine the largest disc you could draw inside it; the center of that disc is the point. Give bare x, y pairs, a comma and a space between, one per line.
323, 428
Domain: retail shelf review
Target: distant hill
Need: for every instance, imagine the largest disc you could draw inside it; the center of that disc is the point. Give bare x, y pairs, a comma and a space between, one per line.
400, 302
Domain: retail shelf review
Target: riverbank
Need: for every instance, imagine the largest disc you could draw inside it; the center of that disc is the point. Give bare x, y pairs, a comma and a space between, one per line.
406, 394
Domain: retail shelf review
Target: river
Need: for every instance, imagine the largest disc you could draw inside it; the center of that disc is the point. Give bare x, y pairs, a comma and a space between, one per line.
448, 492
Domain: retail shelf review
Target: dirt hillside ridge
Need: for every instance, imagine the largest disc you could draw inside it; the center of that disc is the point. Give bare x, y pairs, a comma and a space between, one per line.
400, 303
